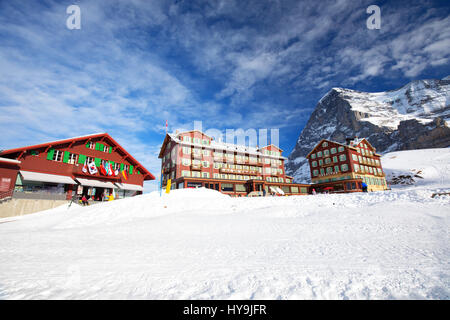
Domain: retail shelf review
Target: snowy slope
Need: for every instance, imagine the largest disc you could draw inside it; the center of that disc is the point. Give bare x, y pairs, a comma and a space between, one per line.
200, 244
426, 167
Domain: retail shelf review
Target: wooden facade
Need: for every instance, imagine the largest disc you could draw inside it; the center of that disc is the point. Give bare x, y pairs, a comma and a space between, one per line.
66, 158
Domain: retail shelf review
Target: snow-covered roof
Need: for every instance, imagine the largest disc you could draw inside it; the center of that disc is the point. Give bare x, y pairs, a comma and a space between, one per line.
227, 147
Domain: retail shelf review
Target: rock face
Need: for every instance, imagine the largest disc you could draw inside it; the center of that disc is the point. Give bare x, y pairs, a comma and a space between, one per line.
413, 117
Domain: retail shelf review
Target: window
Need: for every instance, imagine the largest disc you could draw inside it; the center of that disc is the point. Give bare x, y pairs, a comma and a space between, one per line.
195, 174
336, 169
354, 157
57, 155
206, 152
267, 161
268, 170
333, 150
216, 176
187, 139
205, 142
105, 149
186, 150
327, 160
326, 153
356, 167
340, 149
91, 145
240, 188
196, 140
335, 159
344, 167
320, 162
224, 176
313, 156
73, 158
227, 187
342, 157
325, 144
314, 164
329, 170
294, 189
185, 162
205, 174
185, 173
319, 154
322, 171
205, 164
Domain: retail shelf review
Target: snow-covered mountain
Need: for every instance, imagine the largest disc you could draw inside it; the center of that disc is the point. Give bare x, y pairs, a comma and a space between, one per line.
415, 116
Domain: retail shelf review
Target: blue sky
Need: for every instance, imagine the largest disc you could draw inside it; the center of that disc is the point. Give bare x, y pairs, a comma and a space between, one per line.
230, 64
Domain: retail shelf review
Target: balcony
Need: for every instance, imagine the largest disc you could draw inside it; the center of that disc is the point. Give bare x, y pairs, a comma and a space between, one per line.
196, 167
197, 156
240, 172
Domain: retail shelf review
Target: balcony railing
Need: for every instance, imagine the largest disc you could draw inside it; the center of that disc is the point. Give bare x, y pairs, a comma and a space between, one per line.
196, 167
238, 171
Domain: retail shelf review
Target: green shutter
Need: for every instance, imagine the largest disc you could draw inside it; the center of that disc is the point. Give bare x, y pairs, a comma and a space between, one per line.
110, 149
112, 162
50, 154
98, 162
97, 146
121, 166
87, 144
131, 169
81, 158
66, 156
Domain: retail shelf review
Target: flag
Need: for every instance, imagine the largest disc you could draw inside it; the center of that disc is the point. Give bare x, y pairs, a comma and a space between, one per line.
106, 166
102, 169
92, 168
124, 175
116, 173
85, 170
110, 169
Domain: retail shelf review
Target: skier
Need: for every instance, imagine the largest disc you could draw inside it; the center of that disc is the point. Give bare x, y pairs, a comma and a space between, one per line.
364, 187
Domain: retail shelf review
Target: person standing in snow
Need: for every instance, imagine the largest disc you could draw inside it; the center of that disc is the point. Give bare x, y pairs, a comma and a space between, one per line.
264, 192
314, 191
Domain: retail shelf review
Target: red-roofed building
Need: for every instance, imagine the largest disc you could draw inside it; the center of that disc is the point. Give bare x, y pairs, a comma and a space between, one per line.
55, 169
337, 167
193, 159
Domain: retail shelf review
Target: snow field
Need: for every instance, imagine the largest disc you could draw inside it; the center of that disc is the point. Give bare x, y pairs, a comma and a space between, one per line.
200, 244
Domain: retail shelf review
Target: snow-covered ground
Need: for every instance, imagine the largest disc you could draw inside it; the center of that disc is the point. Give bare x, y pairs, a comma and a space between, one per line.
200, 244
426, 167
